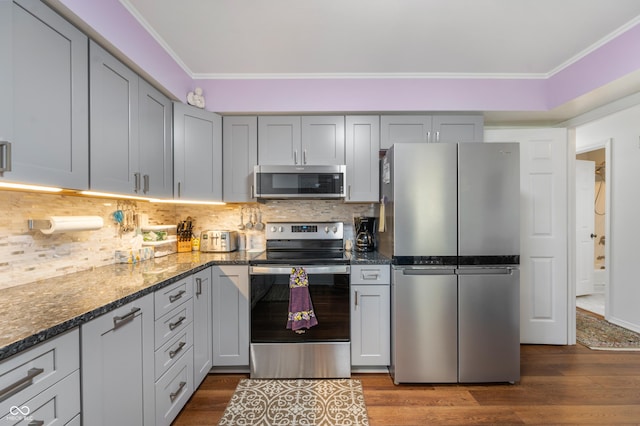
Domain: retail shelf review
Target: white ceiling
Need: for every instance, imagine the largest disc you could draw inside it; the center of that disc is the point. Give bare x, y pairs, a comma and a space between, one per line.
317, 38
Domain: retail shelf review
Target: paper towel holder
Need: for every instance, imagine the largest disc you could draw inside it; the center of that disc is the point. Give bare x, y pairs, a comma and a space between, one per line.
78, 223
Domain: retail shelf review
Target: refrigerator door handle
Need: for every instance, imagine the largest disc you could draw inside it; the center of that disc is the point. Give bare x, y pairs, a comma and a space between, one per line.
484, 271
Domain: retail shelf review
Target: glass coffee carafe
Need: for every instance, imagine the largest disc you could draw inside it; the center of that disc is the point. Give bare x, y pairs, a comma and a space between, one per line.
365, 229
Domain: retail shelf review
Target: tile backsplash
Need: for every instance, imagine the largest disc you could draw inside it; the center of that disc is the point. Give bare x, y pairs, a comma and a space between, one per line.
27, 256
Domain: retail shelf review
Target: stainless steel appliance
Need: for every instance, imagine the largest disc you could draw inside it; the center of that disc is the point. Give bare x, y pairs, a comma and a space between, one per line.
299, 181
452, 230
365, 228
324, 350
218, 241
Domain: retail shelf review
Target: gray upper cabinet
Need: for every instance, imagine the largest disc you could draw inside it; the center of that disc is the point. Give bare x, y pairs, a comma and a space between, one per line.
404, 128
362, 148
43, 97
197, 167
130, 130
240, 154
314, 140
458, 128
430, 128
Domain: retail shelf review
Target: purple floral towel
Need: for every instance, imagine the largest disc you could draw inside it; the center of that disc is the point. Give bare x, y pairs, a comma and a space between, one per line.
301, 313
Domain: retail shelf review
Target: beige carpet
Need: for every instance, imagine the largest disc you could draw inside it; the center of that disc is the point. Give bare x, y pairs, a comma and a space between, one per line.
599, 334
297, 402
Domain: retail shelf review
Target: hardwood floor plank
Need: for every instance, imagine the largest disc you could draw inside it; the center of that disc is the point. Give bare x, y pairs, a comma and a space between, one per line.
559, 385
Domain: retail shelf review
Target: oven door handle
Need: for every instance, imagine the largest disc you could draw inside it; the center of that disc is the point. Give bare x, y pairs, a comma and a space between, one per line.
312, 269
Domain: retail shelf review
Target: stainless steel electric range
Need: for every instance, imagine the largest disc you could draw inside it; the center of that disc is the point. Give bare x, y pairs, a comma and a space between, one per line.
323, 350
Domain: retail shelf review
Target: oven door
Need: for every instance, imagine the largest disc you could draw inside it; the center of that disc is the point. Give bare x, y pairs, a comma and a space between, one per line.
329, 293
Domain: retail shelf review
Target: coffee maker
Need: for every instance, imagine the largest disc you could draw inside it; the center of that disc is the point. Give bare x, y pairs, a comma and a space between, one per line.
365, 228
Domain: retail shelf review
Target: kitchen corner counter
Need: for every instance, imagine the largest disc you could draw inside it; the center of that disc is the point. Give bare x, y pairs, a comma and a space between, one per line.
369, 258
34, 312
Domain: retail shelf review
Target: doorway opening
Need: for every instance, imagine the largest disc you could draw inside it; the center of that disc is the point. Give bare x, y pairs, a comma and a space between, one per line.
592, 191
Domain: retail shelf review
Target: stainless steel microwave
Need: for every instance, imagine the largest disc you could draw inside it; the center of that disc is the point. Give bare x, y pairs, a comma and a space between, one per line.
299, 181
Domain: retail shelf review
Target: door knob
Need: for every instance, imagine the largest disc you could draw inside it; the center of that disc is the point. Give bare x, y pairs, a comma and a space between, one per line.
593, 236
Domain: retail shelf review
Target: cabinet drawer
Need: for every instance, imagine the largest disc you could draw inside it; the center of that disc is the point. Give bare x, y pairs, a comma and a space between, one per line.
171, 352
28, 373
171, 296
174, 389
173, 323
56, 405
370, 274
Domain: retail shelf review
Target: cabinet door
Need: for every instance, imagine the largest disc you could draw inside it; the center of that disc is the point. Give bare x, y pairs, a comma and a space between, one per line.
156, 142
114, 124
118, 366
404, 128
202, 325
230, 296
43, 97
370, 325
240, 155
198, 153
362, 148
322, 140
458, 128
279, 140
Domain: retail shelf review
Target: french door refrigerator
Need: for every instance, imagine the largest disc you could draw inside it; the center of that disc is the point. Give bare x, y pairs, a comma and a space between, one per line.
451, 226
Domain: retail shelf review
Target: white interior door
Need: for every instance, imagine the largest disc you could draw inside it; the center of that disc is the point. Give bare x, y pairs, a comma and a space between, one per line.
585, 220
543, 232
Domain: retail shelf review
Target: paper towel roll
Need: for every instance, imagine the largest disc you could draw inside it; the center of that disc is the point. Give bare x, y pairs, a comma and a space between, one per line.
73, 223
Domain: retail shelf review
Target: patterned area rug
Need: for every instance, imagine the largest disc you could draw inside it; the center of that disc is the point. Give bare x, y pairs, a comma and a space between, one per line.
599, 334
297, 402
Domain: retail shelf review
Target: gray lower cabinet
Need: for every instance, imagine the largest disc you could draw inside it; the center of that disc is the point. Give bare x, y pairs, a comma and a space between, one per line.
240, 155
118, 366
197, 153
42, 384
130, 130
202, 326
44, 108
362, 158
370, 316
230, 296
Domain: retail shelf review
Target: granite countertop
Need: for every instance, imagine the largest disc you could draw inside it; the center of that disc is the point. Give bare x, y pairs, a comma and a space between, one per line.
34, 312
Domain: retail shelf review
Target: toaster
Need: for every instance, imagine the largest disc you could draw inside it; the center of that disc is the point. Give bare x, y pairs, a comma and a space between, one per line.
218, 241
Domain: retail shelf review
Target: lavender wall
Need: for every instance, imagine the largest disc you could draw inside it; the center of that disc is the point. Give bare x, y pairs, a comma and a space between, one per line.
607, 63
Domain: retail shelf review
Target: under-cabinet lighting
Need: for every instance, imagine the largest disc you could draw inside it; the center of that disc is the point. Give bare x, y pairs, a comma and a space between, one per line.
207, 203
110, 195
26, 187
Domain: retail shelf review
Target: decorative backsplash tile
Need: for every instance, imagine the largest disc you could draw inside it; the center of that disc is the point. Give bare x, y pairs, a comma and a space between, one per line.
27, 256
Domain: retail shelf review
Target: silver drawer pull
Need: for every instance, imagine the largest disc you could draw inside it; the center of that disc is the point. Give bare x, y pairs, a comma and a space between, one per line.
173, 325
177, 296
19, 385
198, 286
175, 394
119, 321
370, 276
5, 158
172, 354
36, 423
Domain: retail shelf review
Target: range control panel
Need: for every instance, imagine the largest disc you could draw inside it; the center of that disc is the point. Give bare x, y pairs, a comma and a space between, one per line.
305, 231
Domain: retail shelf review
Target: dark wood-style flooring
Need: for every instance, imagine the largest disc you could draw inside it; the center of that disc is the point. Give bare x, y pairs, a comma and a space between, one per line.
560, 385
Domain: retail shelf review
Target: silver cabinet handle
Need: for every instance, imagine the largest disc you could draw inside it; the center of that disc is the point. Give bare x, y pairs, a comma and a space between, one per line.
136, 184
119, 321
5, 157
429, 136
349, 197
356, 298
175, 394
173, 325
304, 157
145, 185
370, 276
20, 384
198, 286
437, 136
172, 354
36, 423
295, 156
179, 189
176, 296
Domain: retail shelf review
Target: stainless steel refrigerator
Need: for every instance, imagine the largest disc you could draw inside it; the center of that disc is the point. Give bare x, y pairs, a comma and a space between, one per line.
451, 225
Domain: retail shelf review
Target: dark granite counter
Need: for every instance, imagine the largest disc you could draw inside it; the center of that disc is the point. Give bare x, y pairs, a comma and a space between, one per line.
34, 312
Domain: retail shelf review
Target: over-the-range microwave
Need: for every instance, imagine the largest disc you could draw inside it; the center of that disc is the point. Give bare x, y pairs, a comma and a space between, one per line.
289, 181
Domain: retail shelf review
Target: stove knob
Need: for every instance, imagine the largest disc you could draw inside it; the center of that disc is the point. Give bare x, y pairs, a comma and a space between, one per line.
326, 229
281, 229
274, 229
334, 229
